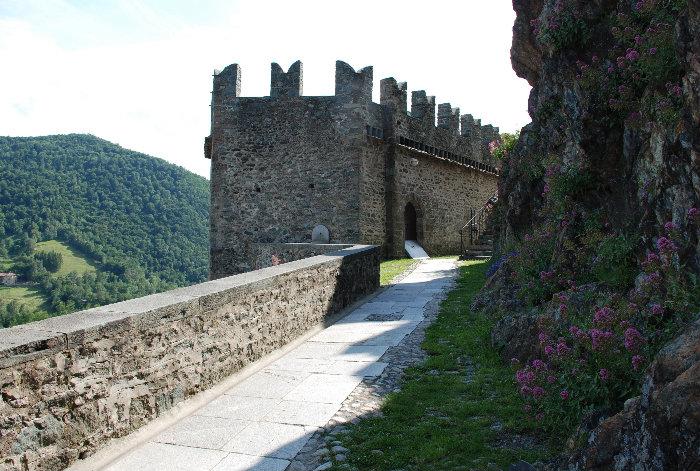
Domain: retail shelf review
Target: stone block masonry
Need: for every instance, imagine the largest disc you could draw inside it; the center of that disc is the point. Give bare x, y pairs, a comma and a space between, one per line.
70, 384
285, 163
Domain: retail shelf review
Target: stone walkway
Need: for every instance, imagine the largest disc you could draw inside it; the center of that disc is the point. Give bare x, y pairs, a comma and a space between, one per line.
264, 422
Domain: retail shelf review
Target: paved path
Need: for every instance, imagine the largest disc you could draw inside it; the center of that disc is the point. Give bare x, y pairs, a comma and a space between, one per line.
261, 423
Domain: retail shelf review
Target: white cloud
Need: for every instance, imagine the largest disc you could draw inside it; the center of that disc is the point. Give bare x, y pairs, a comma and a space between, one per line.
146, 84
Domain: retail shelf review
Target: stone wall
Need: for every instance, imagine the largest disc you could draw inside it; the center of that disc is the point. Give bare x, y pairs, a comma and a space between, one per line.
285, 253
70, 384
443, 193
284, 163
278, 171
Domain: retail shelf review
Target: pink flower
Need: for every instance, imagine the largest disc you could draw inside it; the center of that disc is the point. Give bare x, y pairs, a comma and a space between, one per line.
538, 392
551, 379
543, 338
666, 245
524, 377
604, 316
637, 361
633, 339
604, 374
539, 364
670, 227
653, 51
693, 213
564, 394
657, 310
632, 55
525, 390
563, 349
548, 350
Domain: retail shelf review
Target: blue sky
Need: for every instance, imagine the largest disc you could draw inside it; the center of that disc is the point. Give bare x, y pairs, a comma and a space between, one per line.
138, 72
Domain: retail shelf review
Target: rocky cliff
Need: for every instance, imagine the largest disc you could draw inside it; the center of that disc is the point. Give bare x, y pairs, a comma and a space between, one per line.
596, 291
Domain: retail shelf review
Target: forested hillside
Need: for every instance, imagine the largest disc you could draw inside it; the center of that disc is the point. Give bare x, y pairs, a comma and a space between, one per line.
140, 220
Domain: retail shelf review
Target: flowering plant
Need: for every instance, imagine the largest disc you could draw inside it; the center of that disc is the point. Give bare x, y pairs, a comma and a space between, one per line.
638, 77
501, 148
595, 357
561, 27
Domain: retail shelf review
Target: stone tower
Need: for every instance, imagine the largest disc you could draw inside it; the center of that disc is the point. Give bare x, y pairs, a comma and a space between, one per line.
286, 163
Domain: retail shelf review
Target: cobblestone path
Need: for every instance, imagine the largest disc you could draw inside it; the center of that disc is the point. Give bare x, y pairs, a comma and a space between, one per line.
288, 415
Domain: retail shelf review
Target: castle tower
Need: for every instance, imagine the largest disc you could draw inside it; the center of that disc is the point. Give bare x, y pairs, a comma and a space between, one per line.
286, 166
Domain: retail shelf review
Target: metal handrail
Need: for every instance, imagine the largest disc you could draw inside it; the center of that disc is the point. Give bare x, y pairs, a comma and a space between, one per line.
478, 218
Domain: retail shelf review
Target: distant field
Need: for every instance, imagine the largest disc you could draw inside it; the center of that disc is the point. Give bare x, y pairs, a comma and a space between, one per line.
72, 259
26, 295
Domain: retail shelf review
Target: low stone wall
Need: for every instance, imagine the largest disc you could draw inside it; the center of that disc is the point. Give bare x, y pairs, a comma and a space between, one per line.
289, 252
70, 384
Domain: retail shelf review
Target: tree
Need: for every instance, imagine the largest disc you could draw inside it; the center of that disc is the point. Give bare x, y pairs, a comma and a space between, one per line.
52, 260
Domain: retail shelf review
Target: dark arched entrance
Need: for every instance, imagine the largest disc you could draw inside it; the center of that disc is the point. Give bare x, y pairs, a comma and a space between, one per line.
411, 221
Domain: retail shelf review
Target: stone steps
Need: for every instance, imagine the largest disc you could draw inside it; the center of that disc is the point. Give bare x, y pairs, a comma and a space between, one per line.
476, 255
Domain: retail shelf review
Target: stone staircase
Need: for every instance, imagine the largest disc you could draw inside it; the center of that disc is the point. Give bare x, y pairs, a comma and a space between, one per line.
477, 234
482, 249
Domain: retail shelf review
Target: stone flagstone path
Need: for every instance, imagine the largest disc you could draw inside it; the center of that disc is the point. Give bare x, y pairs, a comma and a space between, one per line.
264, 421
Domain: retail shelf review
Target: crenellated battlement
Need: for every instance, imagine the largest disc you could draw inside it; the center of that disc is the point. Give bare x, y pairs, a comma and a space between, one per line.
356, 87
448, 117
393, 94
289, 84
460, 138
227, 84
351, 85
423, 107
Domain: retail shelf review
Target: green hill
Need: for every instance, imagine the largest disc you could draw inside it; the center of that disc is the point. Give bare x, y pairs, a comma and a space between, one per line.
125, 223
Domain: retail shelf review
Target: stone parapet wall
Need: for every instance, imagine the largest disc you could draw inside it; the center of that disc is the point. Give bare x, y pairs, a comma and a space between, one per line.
71, 384
290, 252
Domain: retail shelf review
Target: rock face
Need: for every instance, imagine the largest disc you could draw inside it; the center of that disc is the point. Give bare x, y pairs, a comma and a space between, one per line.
623, 159
659, 429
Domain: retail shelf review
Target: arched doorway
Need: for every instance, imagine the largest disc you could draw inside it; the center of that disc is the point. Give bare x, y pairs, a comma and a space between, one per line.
411, 222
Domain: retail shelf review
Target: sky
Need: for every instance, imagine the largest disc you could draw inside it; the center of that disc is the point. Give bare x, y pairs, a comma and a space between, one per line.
139, 72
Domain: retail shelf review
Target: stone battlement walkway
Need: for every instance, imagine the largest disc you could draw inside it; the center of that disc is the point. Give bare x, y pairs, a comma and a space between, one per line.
262, 422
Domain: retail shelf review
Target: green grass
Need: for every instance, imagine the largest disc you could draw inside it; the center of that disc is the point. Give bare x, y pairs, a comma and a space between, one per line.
73, 261
449, 408
389, 269
29, 296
